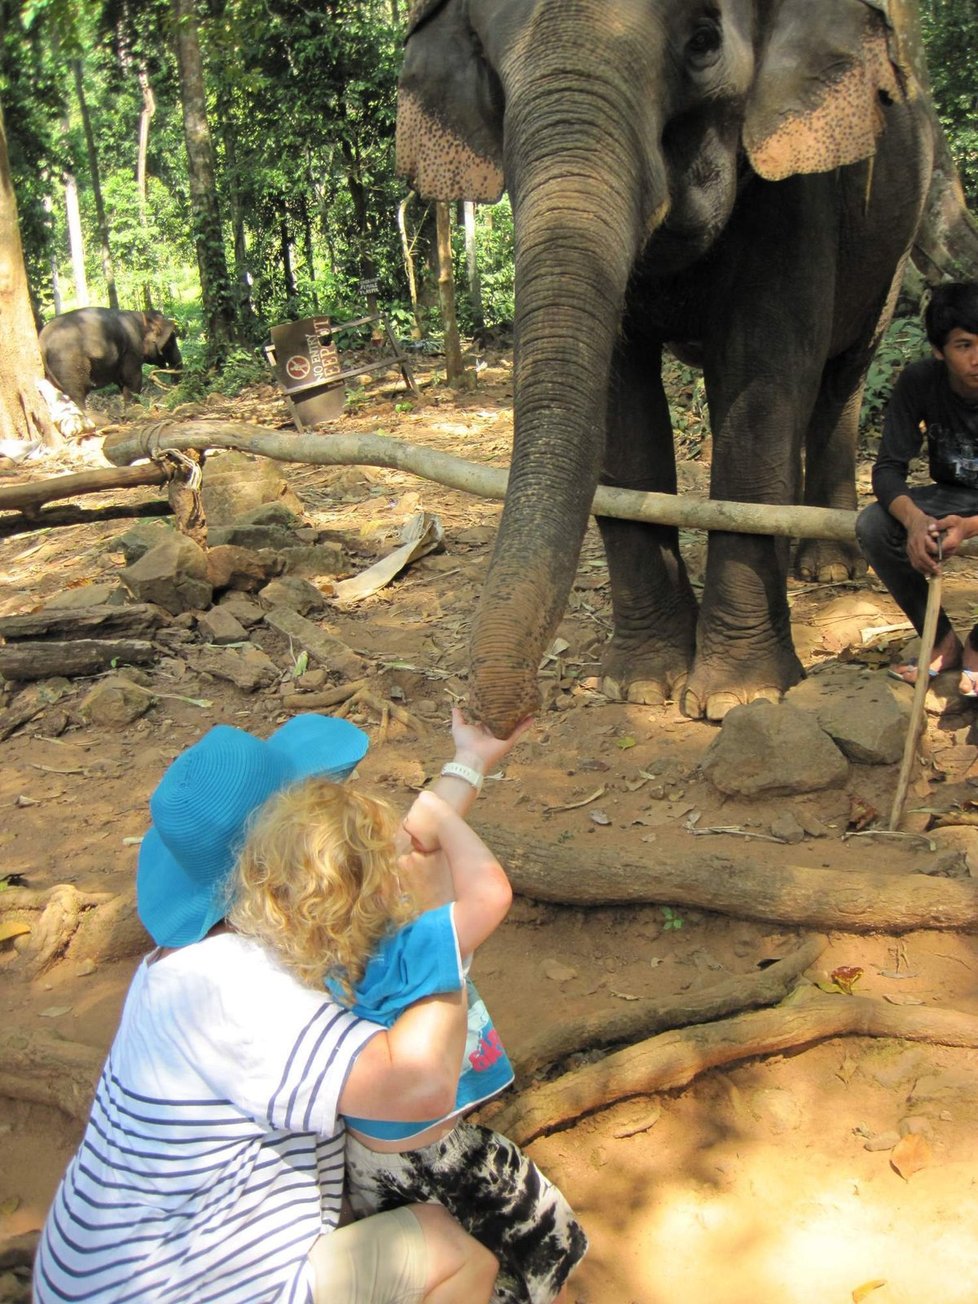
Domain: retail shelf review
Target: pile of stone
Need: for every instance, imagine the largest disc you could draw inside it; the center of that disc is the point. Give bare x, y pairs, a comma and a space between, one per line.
264, 568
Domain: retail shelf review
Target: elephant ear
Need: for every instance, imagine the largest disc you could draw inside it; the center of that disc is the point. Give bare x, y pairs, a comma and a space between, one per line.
825, 75
449, 108
157, 329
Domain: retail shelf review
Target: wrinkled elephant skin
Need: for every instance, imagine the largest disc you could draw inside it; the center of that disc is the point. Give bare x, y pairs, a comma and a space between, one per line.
91, 347
743, 178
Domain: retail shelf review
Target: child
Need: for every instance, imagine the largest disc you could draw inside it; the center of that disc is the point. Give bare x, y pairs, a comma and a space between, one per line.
326, 841
899, 533
212, 1164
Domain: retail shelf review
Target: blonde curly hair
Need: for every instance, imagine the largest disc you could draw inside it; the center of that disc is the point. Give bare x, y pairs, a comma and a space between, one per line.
316, 880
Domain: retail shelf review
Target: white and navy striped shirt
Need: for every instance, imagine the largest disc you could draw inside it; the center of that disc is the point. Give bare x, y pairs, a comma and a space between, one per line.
213, 1157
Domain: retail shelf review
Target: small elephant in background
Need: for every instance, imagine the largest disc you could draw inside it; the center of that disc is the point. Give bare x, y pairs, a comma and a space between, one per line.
91, 347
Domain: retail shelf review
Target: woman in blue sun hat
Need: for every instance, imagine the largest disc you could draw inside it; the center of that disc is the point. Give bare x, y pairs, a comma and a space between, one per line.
211, 1168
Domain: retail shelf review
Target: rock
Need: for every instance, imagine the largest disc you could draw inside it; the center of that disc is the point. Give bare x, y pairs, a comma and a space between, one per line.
271, 525
787, 828
220, 626
768, 748
237, 483
323, 648
314, 559
842, 621
173, 574
865, 714
88, 595
557, 972
293, 592
242, 608
249, 668
311, 680
143, 536
882, 1141
115, 701
231, 567
961, 838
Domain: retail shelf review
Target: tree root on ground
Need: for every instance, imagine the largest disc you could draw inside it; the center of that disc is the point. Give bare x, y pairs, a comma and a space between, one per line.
641, 1018
96, 926
45, 1069
674, 1059
844, 900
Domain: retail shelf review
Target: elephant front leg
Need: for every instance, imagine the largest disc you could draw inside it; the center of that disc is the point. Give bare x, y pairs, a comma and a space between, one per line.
744, 649
654, 608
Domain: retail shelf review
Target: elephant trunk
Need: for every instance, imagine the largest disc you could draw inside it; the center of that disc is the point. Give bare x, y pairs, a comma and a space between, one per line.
577, 229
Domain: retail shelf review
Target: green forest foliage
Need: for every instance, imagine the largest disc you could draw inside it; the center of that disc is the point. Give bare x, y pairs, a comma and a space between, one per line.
301, 103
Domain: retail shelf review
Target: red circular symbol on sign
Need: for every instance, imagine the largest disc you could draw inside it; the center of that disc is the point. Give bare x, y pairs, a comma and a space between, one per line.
298, 367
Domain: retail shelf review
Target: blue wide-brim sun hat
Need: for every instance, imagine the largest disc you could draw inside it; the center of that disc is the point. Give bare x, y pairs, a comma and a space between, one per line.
202, 806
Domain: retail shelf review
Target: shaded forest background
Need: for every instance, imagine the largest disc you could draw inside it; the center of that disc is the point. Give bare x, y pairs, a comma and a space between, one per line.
231, 163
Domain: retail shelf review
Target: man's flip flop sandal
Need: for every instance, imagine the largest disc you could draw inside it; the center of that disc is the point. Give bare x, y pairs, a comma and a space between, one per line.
972, 678
899, 673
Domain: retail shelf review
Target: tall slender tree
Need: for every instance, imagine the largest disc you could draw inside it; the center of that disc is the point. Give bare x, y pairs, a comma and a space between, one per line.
215, 284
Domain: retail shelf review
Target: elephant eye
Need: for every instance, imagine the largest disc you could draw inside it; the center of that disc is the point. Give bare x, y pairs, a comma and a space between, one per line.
703, 47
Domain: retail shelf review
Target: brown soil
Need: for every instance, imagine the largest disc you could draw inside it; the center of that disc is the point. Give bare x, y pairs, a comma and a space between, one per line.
754, 1183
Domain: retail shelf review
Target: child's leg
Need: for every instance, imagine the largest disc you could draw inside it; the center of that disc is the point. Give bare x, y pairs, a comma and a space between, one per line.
497, 1194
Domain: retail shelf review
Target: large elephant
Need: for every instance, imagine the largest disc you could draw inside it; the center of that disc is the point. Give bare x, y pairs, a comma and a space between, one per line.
745, 176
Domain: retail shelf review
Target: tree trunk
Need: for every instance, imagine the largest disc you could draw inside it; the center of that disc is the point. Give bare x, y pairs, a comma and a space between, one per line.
76, 241
215, 285
101, 222
454, 367
145, 118
23, 412
53, 261
288, 275
472, 266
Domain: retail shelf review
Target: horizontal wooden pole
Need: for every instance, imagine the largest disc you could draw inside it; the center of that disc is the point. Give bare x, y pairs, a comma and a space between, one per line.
484, 481
30, 496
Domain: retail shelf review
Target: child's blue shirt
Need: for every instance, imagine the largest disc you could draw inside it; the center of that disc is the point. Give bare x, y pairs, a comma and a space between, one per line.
422, 959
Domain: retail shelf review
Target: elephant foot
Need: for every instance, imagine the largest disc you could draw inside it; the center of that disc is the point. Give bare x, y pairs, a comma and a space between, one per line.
646, 677
714, 689
828, 561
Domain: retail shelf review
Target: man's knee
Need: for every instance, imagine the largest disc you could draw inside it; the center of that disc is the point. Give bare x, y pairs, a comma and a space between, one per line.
874, 527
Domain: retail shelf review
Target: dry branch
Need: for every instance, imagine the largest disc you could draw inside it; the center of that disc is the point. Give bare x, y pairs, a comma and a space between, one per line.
673, 1059
84, 656
487, 482
621, 1024
850, 900
63, 622
29, 497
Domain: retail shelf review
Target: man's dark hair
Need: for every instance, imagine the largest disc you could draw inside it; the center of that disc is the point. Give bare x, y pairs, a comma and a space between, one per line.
953, 305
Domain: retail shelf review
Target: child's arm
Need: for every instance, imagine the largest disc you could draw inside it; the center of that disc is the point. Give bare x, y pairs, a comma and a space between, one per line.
476, 881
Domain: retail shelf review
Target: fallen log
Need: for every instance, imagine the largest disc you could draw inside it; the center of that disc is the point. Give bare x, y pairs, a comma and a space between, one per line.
83, 656
151, 439
29, 497
673, 1059
63, 622
620, 1024
847, 900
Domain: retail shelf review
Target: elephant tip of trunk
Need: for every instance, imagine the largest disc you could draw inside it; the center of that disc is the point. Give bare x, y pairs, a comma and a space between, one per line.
500, 711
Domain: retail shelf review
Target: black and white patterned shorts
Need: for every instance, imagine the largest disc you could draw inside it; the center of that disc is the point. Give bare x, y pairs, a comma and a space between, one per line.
493, 1190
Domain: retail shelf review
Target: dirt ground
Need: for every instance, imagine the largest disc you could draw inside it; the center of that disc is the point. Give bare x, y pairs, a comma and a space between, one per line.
774, 1178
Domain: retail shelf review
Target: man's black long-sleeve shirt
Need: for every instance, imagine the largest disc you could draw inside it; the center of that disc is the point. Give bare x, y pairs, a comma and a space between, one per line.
923, 403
